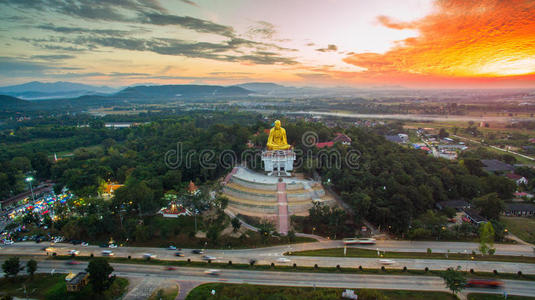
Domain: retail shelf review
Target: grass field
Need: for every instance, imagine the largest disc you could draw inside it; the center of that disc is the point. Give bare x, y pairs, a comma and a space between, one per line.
523, 228
478, 296
169, 293
367, 253
46, 286
260, 292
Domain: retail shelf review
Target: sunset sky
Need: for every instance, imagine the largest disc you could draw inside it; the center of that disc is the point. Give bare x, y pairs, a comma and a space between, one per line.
410, 43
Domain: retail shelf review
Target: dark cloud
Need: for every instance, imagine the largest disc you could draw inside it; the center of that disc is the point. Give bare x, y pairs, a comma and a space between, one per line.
52, 57
79, 30
329, 48
189, 23
262, 29
190, 3
10, 65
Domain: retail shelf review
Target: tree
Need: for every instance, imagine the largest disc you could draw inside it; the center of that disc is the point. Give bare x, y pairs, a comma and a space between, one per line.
491, 206
291, 236
454, 279
443, 133
486, 238
99, 275
31, 267
11, 267
236, 224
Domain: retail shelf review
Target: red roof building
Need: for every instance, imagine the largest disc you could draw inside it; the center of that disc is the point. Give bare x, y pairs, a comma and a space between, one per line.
326, 144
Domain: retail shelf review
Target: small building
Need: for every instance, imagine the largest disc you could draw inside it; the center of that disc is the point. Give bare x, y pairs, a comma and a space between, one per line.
519, 179
109, 189
458, 205
342, 138
519, 209
399, 138
496, 166
78, 282
474, 217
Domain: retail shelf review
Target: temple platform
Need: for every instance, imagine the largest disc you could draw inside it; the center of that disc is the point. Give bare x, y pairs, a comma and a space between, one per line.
278, 162
275, 198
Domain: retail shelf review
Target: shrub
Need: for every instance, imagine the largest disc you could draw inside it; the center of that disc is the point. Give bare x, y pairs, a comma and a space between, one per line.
129, 257
338, 267
519, 273
405, 269
189, 260
295, 265
383, 268
360, 268
272, 265
230, 262
429, 251
472, 271
495, 272
426, 269
92, 255
315, 266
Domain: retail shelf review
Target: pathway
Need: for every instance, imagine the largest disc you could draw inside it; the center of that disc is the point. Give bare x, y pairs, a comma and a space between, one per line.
283, 217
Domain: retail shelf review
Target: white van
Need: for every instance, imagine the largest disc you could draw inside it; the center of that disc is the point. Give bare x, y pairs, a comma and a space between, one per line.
107, 253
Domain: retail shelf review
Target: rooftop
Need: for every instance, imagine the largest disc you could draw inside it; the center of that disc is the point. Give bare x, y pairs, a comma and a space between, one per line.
494, 165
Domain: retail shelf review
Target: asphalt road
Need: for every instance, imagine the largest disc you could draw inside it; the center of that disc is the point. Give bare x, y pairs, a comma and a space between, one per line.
421, 283
270, 255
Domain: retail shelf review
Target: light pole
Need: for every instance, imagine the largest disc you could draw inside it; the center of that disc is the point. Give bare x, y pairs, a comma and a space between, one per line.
29, 180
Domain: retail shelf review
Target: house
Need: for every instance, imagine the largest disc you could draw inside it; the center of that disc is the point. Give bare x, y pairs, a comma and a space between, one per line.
78, 282
496, 166
397, 138
458, 205
519, 209
519, 179
522, 195
473, 216
109, 189
342, 138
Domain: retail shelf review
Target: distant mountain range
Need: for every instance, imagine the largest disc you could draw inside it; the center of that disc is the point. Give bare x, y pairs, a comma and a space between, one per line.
36, 90
181, 91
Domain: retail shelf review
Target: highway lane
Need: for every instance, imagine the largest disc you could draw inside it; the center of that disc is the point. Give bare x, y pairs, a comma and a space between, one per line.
429, 283
271, 254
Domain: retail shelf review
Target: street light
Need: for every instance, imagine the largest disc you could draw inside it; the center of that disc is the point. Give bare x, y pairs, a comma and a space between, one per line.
29, 180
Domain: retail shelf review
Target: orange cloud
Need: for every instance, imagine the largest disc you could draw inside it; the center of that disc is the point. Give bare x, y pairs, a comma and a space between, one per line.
476, 41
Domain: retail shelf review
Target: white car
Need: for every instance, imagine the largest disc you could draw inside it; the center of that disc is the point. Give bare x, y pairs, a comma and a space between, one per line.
171, 248
8, 242
386, 262
107, 253
212, 272
84, 244
283, 260
208, 257
74, 252
112, 246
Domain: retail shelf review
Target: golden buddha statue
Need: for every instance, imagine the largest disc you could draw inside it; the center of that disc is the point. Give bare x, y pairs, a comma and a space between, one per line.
277, 138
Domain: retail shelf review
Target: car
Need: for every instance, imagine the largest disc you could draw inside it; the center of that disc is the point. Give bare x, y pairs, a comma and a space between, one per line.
197, 251
74, 252
170, 268
180, 254
113, 246
171, 247
213, 272
283, 260
8, 242
107, 253
208, 257
73, 262
149, 256
103, 245
386, 262
84, 244
484, 283
44, 248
